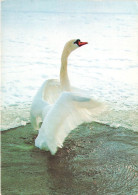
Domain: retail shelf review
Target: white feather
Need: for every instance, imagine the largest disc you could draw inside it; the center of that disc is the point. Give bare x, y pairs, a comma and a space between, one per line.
69, 111
46, 95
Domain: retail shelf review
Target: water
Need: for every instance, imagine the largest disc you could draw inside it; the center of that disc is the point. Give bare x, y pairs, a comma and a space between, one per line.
95, 160
33, 36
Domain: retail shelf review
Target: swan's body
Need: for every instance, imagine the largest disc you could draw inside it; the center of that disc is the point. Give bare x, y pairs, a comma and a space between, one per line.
60, 107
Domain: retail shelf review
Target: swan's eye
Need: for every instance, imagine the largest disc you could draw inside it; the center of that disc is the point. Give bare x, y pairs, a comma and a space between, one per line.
77, 42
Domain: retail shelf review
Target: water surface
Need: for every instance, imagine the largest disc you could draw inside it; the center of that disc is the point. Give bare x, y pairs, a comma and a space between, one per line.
33, 37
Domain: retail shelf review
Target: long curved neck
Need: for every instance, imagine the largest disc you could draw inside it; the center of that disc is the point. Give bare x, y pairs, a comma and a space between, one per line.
64, 80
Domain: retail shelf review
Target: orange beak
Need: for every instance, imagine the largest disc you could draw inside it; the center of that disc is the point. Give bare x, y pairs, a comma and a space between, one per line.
82, 43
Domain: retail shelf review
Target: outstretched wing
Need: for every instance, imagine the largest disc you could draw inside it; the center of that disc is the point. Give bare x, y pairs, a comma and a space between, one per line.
69, 111
46, 95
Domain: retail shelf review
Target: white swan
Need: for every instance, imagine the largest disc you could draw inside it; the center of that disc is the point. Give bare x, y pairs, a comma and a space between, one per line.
60, 107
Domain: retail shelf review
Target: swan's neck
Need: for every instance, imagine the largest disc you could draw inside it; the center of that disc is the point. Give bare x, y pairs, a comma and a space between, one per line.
64, 80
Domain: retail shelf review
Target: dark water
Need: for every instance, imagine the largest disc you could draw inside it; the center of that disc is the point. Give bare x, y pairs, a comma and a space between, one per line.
101, 162
96, 159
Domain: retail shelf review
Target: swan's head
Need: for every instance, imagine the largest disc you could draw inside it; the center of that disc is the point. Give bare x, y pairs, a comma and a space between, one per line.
73, 44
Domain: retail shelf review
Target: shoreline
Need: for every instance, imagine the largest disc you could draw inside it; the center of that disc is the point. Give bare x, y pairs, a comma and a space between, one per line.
95, 158
110, 118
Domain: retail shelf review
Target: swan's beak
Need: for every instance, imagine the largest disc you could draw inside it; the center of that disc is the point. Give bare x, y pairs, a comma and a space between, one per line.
82, 43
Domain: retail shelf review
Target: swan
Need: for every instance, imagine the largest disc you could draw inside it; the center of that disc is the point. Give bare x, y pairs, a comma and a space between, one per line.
60, 107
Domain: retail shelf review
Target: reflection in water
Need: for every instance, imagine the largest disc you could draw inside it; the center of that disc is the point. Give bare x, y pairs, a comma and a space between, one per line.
60, 172
97, 161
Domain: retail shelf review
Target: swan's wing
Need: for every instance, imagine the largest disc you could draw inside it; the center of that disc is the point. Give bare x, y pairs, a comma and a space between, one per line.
46, 95
78, 90
51, 91
69, 111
